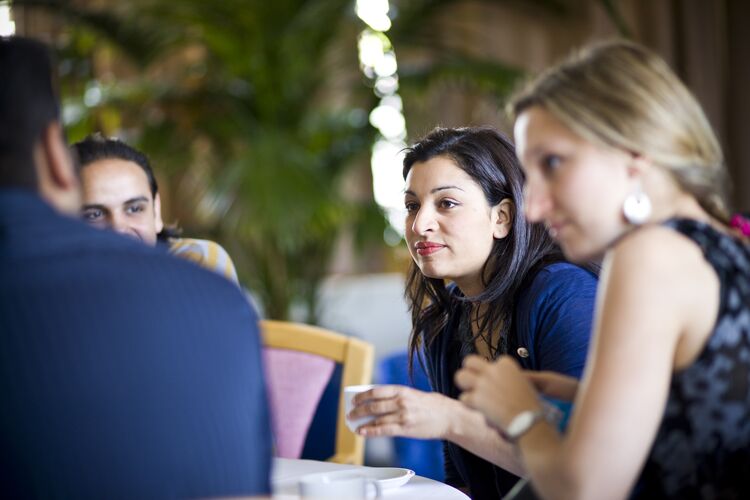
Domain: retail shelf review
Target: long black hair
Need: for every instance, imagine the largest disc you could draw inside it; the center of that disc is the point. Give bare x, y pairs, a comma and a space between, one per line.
490, 159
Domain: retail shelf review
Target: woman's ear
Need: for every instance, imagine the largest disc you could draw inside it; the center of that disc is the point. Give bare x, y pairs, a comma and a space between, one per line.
637, 166
502, 218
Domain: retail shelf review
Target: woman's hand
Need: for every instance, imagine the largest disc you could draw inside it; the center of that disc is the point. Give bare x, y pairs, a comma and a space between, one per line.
403, 411
500, 390
554, 385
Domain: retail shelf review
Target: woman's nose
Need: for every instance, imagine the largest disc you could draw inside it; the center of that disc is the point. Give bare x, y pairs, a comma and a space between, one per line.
424, 221
537, 202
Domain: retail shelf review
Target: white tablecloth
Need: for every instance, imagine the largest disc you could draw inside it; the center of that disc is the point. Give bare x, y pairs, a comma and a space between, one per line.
286, 474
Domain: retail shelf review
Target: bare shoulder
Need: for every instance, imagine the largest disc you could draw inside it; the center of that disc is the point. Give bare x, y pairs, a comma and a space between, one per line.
658, 248
665, 275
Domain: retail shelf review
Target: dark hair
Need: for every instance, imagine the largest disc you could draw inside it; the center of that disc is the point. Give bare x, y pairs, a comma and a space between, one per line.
489, 158
28, 105
97, 147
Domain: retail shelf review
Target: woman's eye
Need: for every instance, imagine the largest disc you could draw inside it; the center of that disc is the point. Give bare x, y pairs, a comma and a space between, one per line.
411, 206
447, 204
551, 163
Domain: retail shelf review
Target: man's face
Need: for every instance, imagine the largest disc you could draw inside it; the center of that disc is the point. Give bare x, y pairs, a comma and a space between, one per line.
116, 195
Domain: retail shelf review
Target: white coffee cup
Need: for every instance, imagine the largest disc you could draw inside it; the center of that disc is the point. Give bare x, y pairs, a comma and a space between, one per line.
340, 484
349, 392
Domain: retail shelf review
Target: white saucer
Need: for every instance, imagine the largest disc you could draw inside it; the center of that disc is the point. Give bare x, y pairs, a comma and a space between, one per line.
390, 477
386, 477
286, 475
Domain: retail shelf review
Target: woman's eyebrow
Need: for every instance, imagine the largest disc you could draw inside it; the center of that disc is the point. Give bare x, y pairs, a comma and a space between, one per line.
435, 190
442, 188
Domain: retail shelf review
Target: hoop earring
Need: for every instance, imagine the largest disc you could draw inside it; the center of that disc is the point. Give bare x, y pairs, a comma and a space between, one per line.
637, 207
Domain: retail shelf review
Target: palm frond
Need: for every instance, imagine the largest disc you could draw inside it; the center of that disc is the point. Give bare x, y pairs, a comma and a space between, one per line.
140, 39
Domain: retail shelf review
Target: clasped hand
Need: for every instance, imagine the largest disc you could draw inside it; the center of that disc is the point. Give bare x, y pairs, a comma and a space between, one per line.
501, 390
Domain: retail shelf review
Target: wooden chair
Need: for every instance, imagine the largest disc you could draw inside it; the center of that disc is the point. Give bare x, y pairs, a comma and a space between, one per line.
299, 362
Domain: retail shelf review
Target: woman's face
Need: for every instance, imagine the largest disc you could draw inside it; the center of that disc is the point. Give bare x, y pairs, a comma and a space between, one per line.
450, 227
575, 187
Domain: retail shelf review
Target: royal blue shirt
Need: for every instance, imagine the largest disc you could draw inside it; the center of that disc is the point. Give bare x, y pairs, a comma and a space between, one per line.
551, 329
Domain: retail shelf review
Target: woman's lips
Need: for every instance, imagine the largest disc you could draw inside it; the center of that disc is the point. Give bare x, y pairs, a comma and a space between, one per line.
554, 229
424, 249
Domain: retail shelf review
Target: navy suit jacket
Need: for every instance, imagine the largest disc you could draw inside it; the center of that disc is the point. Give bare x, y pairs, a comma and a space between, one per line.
124, 372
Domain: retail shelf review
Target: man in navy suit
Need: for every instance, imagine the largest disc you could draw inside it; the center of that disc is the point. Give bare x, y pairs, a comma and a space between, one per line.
124, 372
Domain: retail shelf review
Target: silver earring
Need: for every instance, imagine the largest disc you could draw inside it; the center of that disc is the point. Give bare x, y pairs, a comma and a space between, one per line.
637, 207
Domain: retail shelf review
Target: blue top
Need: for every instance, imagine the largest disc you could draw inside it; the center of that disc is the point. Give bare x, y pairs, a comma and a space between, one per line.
702, 448
552, 323
124, 372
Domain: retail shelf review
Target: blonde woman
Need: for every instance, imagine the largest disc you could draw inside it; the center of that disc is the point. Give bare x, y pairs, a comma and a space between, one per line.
621, 162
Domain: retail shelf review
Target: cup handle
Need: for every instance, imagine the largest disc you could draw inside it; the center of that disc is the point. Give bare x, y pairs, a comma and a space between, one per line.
376, 487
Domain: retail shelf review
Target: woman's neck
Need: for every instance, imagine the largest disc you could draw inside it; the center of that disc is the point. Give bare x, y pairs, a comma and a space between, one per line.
681, 206
485, 342
669, 200
470, 287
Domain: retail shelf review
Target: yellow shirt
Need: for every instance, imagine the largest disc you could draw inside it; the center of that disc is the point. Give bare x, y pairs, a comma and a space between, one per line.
208, 254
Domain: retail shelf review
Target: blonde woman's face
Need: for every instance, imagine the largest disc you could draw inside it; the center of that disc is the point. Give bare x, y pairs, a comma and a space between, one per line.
574, 187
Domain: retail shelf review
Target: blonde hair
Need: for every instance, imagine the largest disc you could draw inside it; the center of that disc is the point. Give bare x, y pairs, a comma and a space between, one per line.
620, 94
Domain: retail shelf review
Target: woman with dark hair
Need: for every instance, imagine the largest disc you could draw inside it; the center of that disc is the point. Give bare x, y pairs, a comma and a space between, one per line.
483, 281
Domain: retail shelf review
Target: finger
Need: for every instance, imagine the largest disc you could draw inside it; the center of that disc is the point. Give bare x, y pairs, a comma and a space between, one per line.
509, 369
474, 362
385, 425
496, 427
465, 379
467, 398
535, 376
379, 392
509, 361
372, 430
537, 379
374, 407
474, 401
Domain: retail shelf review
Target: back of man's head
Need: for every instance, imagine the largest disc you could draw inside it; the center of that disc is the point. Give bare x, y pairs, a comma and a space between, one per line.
27, 106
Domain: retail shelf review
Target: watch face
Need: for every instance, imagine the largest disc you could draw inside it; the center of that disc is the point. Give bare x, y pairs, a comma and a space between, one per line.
522, 422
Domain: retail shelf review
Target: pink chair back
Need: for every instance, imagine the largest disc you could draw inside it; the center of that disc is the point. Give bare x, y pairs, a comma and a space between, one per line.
295, 381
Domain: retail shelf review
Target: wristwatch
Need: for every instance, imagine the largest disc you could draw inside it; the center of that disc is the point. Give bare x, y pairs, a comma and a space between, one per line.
521, 424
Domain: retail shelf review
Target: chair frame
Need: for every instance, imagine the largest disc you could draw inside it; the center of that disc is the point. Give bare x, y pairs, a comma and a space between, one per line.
357, 358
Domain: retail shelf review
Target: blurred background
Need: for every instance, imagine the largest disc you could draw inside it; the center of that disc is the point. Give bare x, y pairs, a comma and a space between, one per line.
276, 127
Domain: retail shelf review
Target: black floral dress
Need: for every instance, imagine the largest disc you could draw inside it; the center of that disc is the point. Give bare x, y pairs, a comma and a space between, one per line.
702, 449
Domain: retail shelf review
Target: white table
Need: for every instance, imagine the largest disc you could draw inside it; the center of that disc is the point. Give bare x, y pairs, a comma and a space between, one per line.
287, 471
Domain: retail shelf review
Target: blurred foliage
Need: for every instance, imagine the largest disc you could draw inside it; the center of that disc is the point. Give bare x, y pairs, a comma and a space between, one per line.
254, 112
438, 49
445, 49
